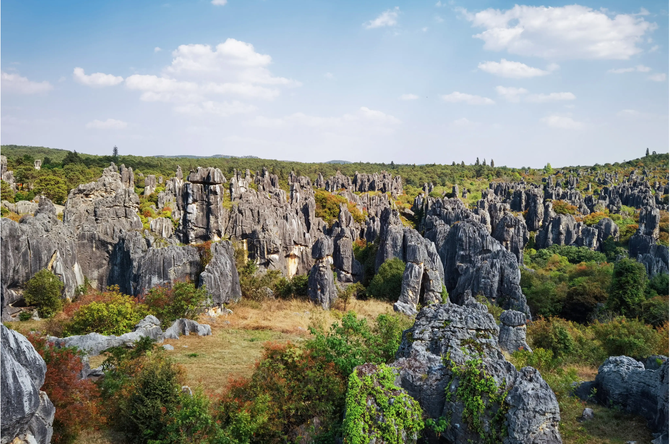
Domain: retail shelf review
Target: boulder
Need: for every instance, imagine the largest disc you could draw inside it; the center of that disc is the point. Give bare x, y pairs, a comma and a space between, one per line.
625, 383
27, 412
444, 342
185, 327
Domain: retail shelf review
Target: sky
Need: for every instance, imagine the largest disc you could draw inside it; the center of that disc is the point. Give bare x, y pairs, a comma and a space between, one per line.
377, 81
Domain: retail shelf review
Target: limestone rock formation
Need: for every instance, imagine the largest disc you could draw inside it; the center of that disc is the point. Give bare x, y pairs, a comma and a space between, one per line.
432, 358
513, 331
183, 326
625, 383
27, 412
202, 199
512, 233
321, 285
220, 276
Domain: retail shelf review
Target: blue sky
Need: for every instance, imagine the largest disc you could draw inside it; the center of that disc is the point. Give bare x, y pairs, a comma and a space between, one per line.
377, 81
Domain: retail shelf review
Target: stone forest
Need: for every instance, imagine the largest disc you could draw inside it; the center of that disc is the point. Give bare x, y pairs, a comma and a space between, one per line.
242, 300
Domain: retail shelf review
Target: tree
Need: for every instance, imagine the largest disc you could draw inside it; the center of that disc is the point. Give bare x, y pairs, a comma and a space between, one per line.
115, 153
484, 162
6, 192
626, 293
492, 164
53, 187
387, 283
44, 290
548, 169
477, 162
72, 157
647, 153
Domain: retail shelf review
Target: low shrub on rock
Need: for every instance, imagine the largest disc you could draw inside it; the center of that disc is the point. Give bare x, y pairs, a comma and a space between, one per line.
387, 283
182, 300
44, 290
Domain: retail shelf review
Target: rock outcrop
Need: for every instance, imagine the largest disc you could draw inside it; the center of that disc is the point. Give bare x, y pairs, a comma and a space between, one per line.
27, 412
220, 276
513, 331
625, 383
448, 340
320, 285
182, 327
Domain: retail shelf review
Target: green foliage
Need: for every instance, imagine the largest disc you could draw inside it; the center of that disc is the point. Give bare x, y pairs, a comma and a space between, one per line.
113, 313
53, 187
6, 192
628, 337
44, 290
289, 387
658, 285
345, 294
481, 396
575, 255
353, 342
539, 358
397, 417
655, 311
387, 283
626, 293
328, 205
366, 254
24, 316
181, 300
296, 287
563, 207
494, 310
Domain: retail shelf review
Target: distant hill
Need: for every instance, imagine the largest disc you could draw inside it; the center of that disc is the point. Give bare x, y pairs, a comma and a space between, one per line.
217, 156
338, 161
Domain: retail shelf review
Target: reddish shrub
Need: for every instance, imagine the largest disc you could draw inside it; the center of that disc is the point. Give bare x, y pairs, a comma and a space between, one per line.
77, 401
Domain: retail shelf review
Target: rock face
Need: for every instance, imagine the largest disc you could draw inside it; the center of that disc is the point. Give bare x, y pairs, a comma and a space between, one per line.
627, 384
220, 276
202, 199
424, 273
100, 213
432, 358
475, 263
512, 233
513, 331
27, 412
182, 327
321, 285
36, 243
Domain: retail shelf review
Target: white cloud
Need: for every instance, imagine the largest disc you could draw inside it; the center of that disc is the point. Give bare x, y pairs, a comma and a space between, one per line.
439, 19
628, 113
14, 83
511, 94
329, 76
568, 32
458, 97
112, 124
223, 109
553, 67
638, 68
157, 49
409, 97
657, 77
512, 70
219, 2
654, 48
424, 29
386, 18
97, 79
439, 4
562, 122
551, 97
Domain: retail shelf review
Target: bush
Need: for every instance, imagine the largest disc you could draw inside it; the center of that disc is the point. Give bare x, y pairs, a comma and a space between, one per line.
44, 290
626, 293
629, 337
366, 254
563, 207
6, 192
53, 187
296, 287
387, 283
655, 311
182, 300
77, 401
353, 342
109, 313
290, 386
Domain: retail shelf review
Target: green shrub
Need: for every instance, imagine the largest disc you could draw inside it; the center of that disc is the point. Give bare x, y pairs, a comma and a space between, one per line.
182, 300
44, 290
628, 337
626, 293
366, 254
655, 311
398, 416
25, 316
657, 285
353, 342
296, 287
112, 313
539, 358
387, 283
6, 192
